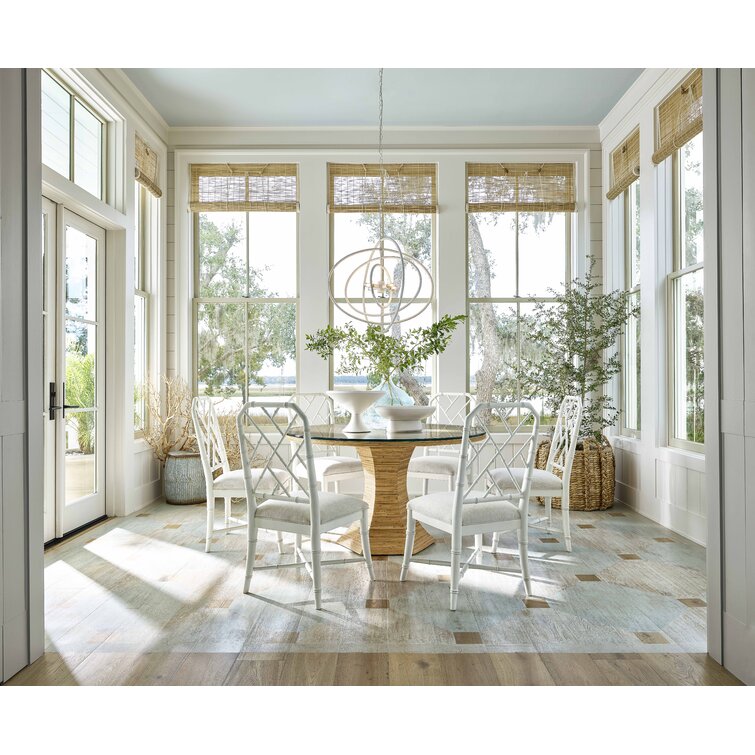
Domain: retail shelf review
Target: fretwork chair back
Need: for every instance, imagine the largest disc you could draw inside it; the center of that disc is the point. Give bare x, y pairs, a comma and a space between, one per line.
440, 462
299, 508
330, 467
553, 481
229, 483
479, 503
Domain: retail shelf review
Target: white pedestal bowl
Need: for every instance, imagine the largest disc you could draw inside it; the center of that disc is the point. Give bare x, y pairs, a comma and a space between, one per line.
355, 402
402, 419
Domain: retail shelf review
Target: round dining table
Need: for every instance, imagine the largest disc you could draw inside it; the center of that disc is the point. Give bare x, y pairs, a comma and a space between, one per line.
385, 461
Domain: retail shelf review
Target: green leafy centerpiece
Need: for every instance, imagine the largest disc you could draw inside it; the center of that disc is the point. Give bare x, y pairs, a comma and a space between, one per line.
378, 355
384, 358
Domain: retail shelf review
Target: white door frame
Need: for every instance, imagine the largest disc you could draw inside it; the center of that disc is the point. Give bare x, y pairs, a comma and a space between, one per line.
88, 508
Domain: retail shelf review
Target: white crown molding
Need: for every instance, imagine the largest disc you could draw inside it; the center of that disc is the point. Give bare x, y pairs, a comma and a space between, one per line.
651, 87
397, 137
141, 106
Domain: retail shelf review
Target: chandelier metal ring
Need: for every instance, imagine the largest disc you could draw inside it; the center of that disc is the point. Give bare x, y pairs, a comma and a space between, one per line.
384, 301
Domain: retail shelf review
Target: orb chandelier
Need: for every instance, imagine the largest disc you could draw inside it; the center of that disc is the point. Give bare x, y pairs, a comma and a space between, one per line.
382, 282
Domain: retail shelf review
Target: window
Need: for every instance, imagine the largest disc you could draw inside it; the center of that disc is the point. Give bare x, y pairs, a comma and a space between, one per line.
409, 203
245, 281
519, 250
687, 367
145, 216
631, 355
72, 136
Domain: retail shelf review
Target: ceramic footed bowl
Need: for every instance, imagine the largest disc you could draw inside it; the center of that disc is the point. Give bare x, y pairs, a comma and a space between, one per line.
404, 418
355, 402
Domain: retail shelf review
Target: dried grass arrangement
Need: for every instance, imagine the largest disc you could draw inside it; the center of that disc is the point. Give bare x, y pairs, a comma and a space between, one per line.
173, 429
170, 429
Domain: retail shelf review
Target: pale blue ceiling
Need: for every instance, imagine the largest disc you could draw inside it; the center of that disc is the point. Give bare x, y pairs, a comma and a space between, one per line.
301, 97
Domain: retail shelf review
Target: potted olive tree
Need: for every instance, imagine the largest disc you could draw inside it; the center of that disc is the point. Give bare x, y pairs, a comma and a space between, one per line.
574, 354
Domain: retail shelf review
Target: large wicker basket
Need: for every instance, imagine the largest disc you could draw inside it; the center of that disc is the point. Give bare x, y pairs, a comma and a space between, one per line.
593, 475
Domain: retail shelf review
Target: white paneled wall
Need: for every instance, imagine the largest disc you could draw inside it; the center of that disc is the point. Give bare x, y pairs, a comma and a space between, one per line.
663, 483
730, 392
21, 494
170, 286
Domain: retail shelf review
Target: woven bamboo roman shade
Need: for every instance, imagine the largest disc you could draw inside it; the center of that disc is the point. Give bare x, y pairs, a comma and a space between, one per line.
408, 187
679, 117
224, 187
146, 167
625, 165
524, 187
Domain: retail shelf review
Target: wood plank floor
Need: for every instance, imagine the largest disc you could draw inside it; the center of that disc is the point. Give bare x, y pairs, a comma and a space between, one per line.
355, 669
138, 601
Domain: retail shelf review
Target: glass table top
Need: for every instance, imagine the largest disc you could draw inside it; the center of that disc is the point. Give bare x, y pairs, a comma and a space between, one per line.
428, 434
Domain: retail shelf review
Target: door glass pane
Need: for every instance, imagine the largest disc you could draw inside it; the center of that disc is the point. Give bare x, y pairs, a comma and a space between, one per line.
80, 364
80, 455
56, 126
80, 391
81, 274
87, 150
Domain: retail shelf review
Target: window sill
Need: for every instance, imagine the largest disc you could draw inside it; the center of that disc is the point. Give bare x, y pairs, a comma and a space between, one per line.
681, 457
626, 443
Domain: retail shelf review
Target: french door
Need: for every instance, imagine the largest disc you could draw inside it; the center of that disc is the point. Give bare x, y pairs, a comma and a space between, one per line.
74, 370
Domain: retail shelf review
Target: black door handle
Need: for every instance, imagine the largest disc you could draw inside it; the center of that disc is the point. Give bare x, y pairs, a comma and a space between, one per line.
53, 398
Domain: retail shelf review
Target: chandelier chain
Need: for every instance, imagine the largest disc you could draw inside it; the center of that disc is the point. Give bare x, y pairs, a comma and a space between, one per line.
380, 149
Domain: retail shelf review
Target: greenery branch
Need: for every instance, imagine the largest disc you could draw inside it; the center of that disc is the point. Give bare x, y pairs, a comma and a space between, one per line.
381, 356
574, 354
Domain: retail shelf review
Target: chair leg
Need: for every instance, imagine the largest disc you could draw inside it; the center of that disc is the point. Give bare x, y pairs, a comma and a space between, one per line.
227, 510
408, 545
425, 484
251, 547
523, 561
364, 529
549, 511
455, 575
210, 521
565, 517
279, 538
451, 484
297, 547
317, 571
494, 548
336, 486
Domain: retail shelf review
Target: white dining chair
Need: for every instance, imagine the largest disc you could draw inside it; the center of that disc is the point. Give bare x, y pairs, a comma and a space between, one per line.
545, 482
441, 462
300, 508
330, 467
482, 504
229, 483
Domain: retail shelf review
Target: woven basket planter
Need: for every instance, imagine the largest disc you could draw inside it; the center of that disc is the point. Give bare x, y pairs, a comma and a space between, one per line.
593, 475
